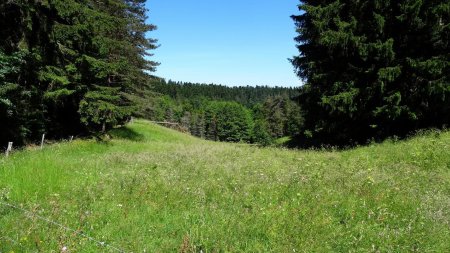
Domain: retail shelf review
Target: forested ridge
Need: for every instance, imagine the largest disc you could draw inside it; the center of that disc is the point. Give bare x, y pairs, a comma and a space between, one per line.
70, 67
245, 95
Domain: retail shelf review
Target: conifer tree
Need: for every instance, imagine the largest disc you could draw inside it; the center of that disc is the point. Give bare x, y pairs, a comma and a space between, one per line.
373, 68
260, 133
70, 65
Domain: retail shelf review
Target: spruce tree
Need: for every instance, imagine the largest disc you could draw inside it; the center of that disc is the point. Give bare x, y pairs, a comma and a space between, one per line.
373, 68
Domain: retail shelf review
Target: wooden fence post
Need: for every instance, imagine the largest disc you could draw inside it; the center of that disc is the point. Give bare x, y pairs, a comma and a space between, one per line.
42, 141
9, 149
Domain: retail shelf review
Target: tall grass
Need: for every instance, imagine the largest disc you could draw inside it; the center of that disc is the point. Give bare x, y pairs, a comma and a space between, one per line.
152, 189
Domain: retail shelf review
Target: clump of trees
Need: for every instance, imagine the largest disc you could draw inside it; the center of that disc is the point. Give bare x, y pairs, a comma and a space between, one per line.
69, 67
227, 121
372, 69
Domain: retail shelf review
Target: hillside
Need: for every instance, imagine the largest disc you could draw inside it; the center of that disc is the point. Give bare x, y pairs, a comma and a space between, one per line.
151, 189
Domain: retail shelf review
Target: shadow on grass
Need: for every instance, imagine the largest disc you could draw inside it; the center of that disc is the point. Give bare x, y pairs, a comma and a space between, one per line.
293, 143
127, 134
301, 142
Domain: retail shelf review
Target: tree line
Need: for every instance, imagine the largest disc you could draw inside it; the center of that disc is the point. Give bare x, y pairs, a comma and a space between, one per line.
71, 67
245, 95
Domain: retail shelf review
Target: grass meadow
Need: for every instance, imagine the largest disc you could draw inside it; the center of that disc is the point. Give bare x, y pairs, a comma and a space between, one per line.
151, 189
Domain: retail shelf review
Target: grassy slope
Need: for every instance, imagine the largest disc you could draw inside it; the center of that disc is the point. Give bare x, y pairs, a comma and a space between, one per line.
157, 190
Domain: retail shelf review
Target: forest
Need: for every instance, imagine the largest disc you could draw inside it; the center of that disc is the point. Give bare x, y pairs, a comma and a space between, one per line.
371, 70
257, 115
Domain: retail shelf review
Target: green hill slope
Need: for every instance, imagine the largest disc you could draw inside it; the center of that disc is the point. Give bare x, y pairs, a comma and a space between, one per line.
151, 189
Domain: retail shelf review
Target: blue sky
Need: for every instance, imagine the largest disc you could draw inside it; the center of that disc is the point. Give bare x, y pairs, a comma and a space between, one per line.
233, 42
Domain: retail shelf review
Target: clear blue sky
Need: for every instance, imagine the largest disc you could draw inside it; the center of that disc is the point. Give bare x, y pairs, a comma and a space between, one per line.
230, 42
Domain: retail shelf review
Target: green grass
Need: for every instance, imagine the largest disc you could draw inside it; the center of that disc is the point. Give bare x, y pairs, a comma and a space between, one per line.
151, 189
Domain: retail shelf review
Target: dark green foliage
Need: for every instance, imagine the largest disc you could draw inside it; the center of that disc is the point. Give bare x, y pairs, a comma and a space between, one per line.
72, 66
211, 124
197, 126
260, 133
9, 96
283, 116
233, 122
98, 109
373, 68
